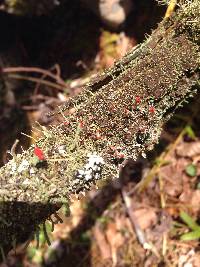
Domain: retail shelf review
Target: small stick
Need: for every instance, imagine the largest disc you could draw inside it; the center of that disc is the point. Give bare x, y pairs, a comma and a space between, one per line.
36, 80
58, 217
37, 70
139, 232
13, 148
170, 8
162, 196
29, 137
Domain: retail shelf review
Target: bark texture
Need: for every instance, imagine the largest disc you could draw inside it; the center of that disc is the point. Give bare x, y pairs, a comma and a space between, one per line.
119, 115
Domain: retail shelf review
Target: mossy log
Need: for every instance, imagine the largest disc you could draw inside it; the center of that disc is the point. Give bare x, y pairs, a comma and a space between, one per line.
119, 115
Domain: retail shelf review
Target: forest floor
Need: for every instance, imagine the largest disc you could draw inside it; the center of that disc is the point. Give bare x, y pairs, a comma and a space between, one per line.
150, 216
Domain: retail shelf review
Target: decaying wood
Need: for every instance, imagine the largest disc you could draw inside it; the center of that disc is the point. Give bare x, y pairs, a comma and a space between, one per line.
119, 115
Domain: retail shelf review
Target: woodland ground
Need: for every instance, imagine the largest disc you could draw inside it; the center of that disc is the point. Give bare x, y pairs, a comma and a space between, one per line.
119, 224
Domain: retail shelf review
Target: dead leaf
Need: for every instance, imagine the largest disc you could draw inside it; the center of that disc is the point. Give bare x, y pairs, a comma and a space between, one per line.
195, 201
123, 44
101, 242
145, 217
188, 149
186, 196
115, 239
172, 178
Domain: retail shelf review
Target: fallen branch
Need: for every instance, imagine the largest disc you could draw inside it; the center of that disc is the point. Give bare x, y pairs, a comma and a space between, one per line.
118, 116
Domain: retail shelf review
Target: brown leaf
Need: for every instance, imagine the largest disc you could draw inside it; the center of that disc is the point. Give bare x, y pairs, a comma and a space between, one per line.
195, 201
102, 243
145, 217
115, 239
188, 149
172, 178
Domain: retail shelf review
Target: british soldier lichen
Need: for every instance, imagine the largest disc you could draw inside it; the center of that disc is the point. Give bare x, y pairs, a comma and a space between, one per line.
120, 115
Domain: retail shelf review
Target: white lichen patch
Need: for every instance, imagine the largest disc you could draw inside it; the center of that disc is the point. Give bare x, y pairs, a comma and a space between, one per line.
24, 165
26, 182
62, 150
13, 167
90, 172
94, 159
32, 171
92, 169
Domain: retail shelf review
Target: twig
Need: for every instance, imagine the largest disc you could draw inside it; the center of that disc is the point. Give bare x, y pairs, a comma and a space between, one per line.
170, 8
58, 79
29, 136
36, 70
13, 148
162, 196
32, 79
58, 218
164, 244
139, 232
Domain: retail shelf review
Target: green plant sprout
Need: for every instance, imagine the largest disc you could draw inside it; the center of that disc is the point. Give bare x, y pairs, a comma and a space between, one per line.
42, 238
190, 132
191, 170
192, 225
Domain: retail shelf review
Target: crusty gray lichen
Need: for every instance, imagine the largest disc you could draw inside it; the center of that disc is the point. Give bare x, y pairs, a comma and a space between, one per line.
119, 115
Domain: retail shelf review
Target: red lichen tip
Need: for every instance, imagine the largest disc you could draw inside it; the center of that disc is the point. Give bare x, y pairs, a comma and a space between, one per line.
119, 155
152, 109
137, 99
66, 122
98, 135
126, 111
39, 153
81, 123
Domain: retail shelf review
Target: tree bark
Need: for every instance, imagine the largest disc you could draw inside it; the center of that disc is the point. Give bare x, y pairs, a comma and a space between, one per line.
119, 115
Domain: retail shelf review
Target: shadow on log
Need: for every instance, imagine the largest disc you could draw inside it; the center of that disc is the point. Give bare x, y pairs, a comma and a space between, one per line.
18, 230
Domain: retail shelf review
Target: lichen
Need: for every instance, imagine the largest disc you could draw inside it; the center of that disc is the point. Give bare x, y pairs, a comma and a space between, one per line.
118, 116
